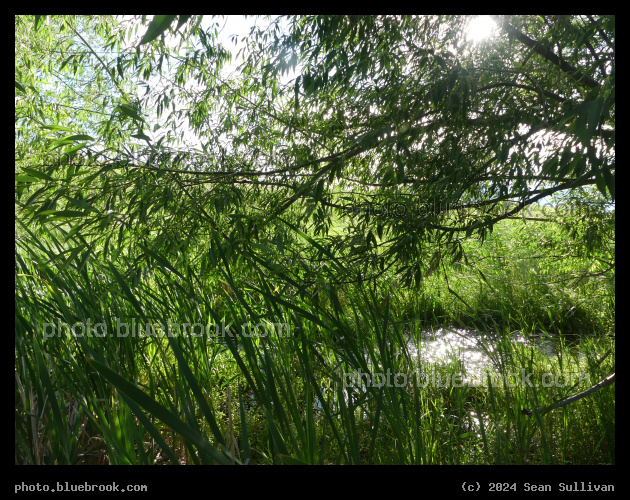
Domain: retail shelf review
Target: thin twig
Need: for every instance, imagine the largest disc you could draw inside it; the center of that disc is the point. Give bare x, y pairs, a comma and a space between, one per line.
546, 409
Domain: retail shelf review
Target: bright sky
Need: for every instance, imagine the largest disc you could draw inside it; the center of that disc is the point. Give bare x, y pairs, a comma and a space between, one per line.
230, 26
480, 28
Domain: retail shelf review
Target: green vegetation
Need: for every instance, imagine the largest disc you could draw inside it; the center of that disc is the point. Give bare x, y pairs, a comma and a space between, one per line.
258, 297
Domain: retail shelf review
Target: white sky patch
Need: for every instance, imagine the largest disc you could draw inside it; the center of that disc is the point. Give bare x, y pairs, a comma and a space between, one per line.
232, 32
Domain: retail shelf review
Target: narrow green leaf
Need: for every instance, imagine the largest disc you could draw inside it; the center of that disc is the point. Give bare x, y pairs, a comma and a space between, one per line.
25, 178
594, 114
160, 260
244, 433
288, 460
580, 123
130, 112
157, 26
127, 291
79, 137
142, 136
36, 173
59, 143
151, 429
609, 179
82, 204
182, 20
37, 22
57, 128
75, 148
262, 247
319, 190
53, 400
158, 411
73, 255
64, 213
196, 390
601, 182
322, 249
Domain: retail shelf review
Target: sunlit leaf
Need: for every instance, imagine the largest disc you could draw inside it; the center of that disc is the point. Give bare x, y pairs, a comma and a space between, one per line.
37, 22
75, 148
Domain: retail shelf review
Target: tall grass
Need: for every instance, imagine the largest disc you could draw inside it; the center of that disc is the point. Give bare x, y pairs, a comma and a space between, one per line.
290, 396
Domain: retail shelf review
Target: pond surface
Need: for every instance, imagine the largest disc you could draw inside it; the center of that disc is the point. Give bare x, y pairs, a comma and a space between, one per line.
474, 352
471, 349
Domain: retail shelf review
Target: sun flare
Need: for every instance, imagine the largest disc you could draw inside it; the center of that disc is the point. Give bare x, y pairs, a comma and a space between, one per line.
480, 28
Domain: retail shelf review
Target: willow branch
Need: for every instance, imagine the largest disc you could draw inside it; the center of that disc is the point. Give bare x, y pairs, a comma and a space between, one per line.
546, 53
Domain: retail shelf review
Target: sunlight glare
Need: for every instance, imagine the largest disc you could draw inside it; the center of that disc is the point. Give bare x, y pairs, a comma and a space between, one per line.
480, 28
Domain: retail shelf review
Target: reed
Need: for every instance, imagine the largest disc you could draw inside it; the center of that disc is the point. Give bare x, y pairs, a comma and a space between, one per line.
285, 397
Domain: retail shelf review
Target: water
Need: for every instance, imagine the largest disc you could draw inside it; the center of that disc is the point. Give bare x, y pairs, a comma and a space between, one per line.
474, 354
471, 350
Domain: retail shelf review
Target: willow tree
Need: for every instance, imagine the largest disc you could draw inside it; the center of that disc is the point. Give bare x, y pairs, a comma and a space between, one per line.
414, 136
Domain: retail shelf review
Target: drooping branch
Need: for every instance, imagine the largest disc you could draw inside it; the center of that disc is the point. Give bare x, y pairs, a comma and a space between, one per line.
574, 183
546, 53
524, 87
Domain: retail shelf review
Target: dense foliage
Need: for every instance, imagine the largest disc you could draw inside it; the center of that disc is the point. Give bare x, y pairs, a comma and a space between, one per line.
421, 137
339, 158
